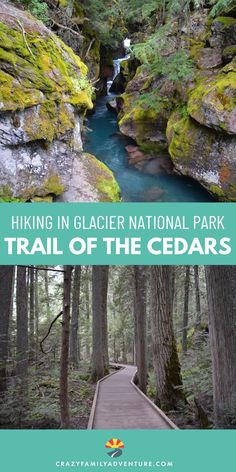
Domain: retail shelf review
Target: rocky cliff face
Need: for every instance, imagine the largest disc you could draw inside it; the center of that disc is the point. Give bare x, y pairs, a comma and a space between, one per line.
68, 20
195, 119
44, 96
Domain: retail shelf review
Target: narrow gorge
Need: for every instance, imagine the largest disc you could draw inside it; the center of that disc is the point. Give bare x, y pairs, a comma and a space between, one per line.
117, 101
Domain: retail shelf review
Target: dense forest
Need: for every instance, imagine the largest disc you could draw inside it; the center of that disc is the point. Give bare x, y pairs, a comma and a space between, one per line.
103, 100
63, 328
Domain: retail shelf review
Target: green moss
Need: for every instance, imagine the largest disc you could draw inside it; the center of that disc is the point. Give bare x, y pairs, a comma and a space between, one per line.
147, 84
217, 191
141, 115
50, 121
13, 97
225, 21
102, 179
63, 3
179, 134
150, 147
5, 191
78, 12
5, 40
231, 67
50, 71
6, 195
107, 185
219, 92
47, 199
29, 192
109, 188
53, 186
183, 135
11, 200
230, 51
195, 47
172, 395
143, 108
126, 108
232, 193
124, 67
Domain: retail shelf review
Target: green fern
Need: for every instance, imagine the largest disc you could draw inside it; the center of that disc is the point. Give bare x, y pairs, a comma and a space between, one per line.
221, 6
154, 55
152, 101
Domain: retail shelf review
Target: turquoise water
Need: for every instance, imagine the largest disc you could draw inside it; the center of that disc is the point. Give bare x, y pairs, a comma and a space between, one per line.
108, 146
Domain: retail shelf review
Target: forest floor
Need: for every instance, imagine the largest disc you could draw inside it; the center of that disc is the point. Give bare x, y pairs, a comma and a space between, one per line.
42, 410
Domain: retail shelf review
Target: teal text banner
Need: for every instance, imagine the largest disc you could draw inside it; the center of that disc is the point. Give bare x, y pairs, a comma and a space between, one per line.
172, 451
118, 234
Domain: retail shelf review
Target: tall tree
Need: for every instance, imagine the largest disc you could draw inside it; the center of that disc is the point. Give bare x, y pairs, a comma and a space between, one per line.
121, 305
74, 331
36, 315
105, 275
197, 296
169, 393
99, 302
31, 313
6, 290
64, 400
87, 308
47, 299
141, 328
22, 326
186, 308
221, 292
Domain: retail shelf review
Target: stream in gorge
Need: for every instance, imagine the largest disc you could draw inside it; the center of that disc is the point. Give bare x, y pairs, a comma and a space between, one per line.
105, 141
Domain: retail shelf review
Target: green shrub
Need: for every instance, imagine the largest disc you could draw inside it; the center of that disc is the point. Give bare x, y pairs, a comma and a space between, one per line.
38, 8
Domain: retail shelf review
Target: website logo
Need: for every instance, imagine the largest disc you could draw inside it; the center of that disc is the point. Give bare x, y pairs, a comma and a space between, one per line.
116, 446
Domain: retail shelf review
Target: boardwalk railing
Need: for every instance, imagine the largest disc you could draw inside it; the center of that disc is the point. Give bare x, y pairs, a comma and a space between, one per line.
92, 413
155, 407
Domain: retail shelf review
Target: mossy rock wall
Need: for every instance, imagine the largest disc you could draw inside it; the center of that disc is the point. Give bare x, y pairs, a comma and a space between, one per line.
86, 44
212, 102
37, 68
44, 95
203, 154
203, 144
145, 121
102, 179
91, 181
198, 114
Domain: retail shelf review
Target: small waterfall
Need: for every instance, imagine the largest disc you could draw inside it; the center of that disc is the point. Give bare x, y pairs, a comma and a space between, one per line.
127, 44
116, 65
117, 62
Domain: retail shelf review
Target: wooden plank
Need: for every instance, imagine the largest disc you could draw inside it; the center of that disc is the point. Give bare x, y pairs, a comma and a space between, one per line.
119, 404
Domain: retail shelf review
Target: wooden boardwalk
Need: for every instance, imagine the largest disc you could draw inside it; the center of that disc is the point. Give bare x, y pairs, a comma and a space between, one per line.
119, 404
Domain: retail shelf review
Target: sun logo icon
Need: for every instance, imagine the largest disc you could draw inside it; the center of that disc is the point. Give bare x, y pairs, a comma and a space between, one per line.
116, 446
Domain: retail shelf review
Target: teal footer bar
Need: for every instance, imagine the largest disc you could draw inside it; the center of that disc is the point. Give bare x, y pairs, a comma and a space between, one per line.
177, 451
